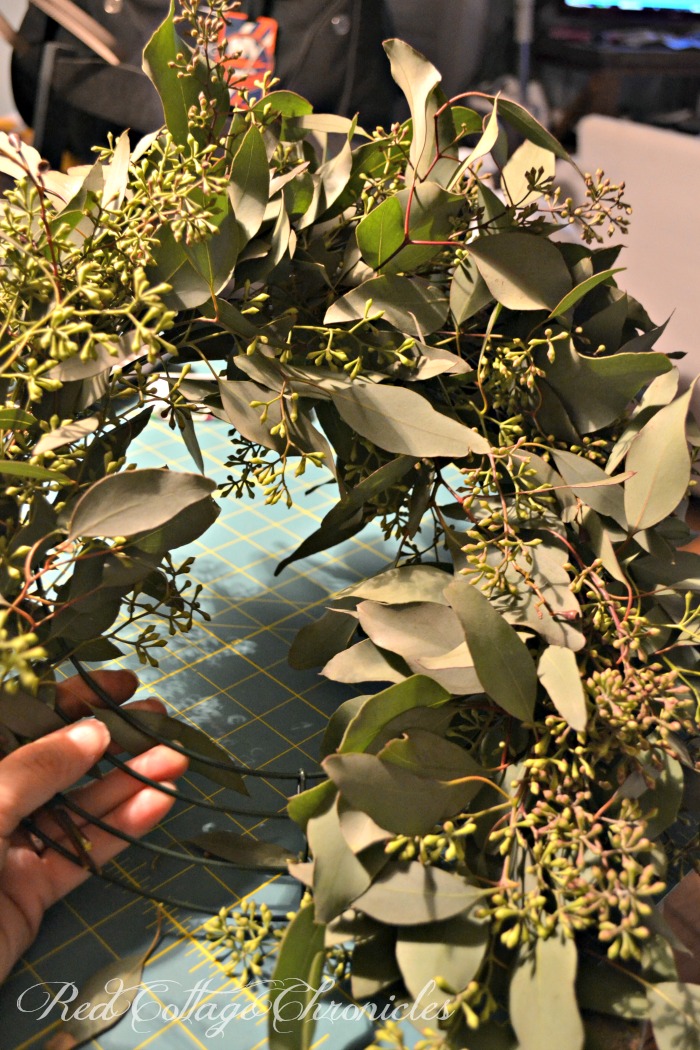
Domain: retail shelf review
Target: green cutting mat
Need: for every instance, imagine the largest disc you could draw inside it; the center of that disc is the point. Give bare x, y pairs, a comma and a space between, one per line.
229, 676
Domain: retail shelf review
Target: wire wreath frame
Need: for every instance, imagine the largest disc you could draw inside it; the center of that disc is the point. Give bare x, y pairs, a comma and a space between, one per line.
64, 809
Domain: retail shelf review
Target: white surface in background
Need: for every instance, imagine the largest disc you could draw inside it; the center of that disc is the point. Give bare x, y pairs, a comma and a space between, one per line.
13, 10
662, 250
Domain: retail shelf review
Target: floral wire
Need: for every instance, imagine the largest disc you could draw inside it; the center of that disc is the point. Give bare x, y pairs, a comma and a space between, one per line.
173, 902
214, 862
229, 767
182, 796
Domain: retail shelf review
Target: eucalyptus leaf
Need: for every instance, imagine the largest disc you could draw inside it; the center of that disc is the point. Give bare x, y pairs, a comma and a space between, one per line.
178, 94
559, 673
27, 716
188, 525
295, 980
502, 661
543, 1007
212, 260
485, 145
306, 804
339, 722
250, 182
17, 468
378, 710
68, 434
452, 950
417, 78
327, 123
16, 419
364, 662
434, 362
528, 157
412, 305
98, 650
665, 798
557, 619
136, 500
469, 292
381, 234
412, 631
97, 1007
347, 518
374, 967
410, 583
674, 1011
189, 436
135, 741
320, 641
453, 670
359, 830
410, 894
596, 390
381, 789
339, 876
405, 232
402, 421
524, 122
190, 270
245, 852
603, 331
106, 356
643, 343
660, 460
429, 755
602, 544
593, 486
610, 989
333, 176
580, 291
522, 271
236, 397
117, 174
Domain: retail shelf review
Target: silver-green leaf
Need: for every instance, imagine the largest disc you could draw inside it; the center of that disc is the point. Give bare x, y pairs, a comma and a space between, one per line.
558, 671
402, 421
502, 660
543, 1007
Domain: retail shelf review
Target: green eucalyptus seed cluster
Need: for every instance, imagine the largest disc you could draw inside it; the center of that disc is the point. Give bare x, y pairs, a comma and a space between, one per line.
246, 936
80, 291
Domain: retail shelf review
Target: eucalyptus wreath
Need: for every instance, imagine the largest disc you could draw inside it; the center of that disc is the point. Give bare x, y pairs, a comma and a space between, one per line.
421, 312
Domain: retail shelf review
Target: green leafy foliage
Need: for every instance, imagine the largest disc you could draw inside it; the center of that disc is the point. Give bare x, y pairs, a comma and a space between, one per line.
559, 674
543, 1006
126, 504
411, 894
301, 960
521, 271
507, 812
501, 658
101, 1008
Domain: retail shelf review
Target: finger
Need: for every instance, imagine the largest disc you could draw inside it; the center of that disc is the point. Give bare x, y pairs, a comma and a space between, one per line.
136, 816
76, 699
32, 774
102, 796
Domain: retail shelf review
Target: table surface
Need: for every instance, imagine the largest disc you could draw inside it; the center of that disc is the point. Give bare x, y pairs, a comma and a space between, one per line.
230, 676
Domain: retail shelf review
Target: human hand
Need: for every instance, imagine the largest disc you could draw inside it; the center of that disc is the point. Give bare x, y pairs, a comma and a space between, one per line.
30, 882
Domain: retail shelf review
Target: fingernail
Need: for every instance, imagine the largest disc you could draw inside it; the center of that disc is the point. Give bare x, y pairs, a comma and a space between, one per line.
90, 735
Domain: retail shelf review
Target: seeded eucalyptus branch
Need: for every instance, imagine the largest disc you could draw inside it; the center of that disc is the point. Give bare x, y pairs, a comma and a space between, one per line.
407, 314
